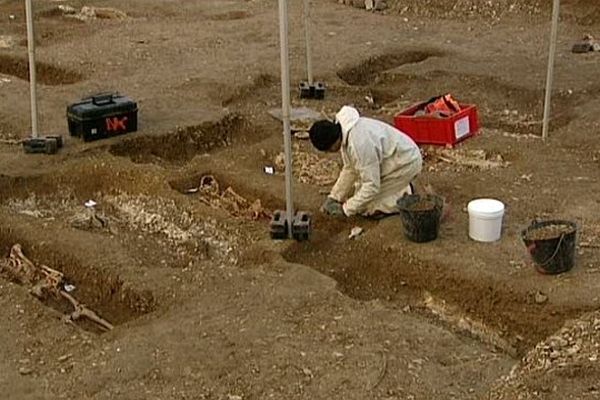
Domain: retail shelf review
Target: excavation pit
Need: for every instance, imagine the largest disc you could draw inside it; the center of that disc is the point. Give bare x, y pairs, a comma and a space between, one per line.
368, 70
368, 270
100, 291
183, 144
47, 74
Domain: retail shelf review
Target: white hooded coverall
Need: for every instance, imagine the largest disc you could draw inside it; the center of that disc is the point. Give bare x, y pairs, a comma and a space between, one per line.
379, 163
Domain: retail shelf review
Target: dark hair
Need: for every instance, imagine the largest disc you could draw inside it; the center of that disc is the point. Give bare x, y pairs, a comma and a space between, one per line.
324, 134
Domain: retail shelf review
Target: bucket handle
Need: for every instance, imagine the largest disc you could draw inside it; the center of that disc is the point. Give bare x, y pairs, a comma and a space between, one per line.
532, 247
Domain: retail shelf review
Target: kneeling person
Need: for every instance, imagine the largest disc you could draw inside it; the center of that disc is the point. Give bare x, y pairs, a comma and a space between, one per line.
379, 163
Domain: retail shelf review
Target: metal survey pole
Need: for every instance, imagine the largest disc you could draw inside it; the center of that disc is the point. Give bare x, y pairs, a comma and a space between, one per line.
285, 112
32, 77
550, 75
309, 71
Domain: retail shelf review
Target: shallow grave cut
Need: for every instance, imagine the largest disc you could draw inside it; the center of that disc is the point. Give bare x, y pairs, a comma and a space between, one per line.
183, 144
91, 298
46, 74
368, 70
366, 270
217, 194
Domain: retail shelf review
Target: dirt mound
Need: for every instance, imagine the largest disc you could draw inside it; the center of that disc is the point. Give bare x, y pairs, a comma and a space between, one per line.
565, 365
461, 9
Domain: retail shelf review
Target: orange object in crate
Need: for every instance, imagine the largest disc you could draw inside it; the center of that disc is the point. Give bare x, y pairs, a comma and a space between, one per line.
441, 131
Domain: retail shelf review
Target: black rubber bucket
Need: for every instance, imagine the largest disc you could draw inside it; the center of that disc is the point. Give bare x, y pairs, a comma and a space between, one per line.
552, 245
421, 216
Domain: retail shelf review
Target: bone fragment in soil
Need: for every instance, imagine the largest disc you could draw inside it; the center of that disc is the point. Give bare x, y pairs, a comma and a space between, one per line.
228, 200
45, 282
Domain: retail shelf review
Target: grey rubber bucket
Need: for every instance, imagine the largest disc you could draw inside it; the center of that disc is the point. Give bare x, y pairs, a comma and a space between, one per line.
552, 255
420, 225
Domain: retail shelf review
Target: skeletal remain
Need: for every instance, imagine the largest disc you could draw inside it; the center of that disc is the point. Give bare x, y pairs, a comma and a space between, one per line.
82, 311
20, 267
45, 281
310, 168
478, 159
228, 199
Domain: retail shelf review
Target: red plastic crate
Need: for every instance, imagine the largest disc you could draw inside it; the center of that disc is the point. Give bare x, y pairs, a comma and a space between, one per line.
441, 131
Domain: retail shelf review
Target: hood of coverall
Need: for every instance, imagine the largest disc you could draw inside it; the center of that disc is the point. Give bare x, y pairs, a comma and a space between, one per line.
347, 117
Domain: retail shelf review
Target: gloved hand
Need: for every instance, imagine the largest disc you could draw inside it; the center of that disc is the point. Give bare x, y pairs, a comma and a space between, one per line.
332, 207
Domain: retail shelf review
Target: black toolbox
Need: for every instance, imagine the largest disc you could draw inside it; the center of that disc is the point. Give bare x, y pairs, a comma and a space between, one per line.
102, 116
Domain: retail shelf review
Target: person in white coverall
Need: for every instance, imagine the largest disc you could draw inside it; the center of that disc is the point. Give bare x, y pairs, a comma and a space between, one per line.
380, 163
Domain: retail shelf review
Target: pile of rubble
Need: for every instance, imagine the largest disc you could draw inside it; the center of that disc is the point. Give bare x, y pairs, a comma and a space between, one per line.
571, 355
163, 217
90, 13
493, 10
147, 214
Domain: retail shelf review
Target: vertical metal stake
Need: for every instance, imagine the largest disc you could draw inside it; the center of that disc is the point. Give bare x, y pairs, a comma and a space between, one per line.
550, 76
285, 112
309, 71
32, 77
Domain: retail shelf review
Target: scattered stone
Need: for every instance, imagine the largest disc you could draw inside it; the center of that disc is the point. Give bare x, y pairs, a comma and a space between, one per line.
355, 232
540, 298
574, 345
88, 13
6, 42
307, 372
25, 371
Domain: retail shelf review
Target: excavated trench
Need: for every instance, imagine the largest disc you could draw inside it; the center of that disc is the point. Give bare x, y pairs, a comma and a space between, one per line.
102, 291
501, 105
368, 70
368, 270
47, 74
183, 144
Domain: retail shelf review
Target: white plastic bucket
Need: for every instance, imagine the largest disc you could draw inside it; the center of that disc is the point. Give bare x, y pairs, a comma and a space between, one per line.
485, 219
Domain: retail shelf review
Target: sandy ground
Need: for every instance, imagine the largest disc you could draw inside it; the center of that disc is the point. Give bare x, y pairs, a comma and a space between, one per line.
204, 305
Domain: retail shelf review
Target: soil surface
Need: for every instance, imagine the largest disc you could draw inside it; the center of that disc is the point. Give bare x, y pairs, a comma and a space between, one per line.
547, 232
204, 304
422, 205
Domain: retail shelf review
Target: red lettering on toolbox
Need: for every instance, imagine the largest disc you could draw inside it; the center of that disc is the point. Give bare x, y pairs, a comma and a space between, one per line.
116, 124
